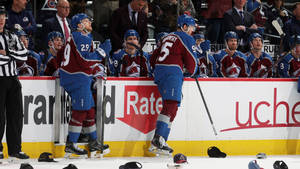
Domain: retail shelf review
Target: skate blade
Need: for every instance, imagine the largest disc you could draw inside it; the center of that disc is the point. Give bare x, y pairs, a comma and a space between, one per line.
160, 152
75, 156
14, 160
98, 154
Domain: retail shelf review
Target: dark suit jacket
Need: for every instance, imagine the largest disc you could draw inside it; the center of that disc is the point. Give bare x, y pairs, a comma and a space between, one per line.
50, 25
232, 18
121, 22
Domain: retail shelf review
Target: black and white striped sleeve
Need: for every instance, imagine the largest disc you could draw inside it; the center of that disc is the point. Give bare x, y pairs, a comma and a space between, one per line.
4, 59
20, 53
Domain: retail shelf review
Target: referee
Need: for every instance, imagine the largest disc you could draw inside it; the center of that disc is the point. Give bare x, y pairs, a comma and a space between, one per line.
11, 108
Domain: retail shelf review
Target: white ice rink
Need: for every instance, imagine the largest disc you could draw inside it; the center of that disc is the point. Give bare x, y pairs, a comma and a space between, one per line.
233, 162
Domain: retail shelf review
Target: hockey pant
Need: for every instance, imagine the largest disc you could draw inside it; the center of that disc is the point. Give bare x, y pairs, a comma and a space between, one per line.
165, 118
82, 120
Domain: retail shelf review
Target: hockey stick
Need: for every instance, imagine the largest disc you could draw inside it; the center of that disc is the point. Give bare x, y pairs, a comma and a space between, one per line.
100, 114
205, 105
280, 57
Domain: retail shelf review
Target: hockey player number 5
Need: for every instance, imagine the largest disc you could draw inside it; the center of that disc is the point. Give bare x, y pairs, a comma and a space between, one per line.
165, 50
66, 55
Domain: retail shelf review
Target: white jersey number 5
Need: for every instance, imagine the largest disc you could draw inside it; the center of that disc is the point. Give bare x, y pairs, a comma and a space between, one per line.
165, 51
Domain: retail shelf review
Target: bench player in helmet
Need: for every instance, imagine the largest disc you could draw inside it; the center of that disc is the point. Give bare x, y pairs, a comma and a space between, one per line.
206, 62
230, 61
290, 64
49, 64
129, 61
79, 62
177, 50
259, 63
31, 65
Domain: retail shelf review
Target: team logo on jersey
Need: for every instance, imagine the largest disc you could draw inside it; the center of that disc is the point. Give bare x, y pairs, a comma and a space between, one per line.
142, 105
25, 19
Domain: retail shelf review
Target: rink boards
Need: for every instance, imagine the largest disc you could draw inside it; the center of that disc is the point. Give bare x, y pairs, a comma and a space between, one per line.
250, 116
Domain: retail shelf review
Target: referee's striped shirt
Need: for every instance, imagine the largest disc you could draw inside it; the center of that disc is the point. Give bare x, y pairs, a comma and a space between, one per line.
15, 51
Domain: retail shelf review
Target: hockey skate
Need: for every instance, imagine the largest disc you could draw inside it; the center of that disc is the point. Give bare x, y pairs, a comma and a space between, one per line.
73, 151
160, 147
97, 150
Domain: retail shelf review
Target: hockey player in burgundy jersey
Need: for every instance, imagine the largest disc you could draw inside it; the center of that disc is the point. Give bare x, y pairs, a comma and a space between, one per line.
129, 61
177, 50
78, 64
30, 66
55, 43
290, 64
259, 63
230, 61
206, 62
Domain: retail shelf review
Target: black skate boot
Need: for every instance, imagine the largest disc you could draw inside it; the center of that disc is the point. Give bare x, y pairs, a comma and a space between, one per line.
72, 148
19, 155
96, 148
159, 146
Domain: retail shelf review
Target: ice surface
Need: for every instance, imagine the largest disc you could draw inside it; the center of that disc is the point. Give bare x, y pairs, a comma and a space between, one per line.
231, 162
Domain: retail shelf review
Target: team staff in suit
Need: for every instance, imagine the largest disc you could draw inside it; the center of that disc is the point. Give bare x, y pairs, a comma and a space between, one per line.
21, 19
59, 23
11, 108
122, 20
240, 21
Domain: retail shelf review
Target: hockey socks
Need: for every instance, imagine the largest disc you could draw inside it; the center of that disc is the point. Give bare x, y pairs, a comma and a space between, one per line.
163, 126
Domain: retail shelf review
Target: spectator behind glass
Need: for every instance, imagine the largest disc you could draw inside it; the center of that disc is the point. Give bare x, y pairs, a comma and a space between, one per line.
187, 7
292, 26
241, 22
59, 23
21, 19
166, 16
214, 15
49, 66
122, 20
77, 6
29, 67
279, 13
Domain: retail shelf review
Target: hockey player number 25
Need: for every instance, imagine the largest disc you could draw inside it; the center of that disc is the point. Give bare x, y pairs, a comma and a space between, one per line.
165, 51
66, 55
